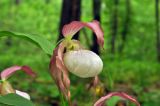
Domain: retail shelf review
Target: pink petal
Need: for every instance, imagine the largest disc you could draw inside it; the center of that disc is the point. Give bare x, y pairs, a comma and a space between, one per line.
61, 66
72, 28
11, 70
102, 100
58, 70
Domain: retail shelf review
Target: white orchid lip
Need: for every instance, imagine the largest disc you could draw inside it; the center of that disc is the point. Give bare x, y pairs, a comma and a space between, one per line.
83, 63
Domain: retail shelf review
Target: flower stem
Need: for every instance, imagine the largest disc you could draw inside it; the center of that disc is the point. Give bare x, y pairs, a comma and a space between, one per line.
63, 102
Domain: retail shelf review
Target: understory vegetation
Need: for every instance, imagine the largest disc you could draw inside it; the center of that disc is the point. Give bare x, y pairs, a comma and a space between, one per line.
135, 70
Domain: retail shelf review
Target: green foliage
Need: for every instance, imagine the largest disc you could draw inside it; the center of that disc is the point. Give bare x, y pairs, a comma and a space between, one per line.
112, 101
46, 46
135, 68
14, 100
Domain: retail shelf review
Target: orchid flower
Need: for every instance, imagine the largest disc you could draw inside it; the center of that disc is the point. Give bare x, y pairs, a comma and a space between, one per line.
70, 56
5, 86
102, 100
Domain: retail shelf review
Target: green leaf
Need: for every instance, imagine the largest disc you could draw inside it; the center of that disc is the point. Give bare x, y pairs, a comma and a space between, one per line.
46, 46
14, 100
3, 104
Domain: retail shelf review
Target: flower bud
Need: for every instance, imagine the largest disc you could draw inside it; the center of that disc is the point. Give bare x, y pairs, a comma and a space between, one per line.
83, 63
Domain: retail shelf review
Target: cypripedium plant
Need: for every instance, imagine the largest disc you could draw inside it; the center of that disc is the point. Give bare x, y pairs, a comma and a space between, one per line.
70, 56
6, 87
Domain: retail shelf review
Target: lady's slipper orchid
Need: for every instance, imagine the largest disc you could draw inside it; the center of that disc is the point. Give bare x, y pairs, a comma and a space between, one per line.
69, 55
102, 100
5, 86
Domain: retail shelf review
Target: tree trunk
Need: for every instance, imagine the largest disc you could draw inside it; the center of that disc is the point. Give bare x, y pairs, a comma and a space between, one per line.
96, 13
157, 28
65, 16
114, 26
125, 26
71, 10
47, 1
76, 13
17, 2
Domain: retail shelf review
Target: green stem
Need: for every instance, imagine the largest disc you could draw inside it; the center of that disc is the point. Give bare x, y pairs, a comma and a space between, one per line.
63, 103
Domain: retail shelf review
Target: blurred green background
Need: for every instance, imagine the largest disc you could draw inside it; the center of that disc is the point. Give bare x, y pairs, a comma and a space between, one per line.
135, 70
